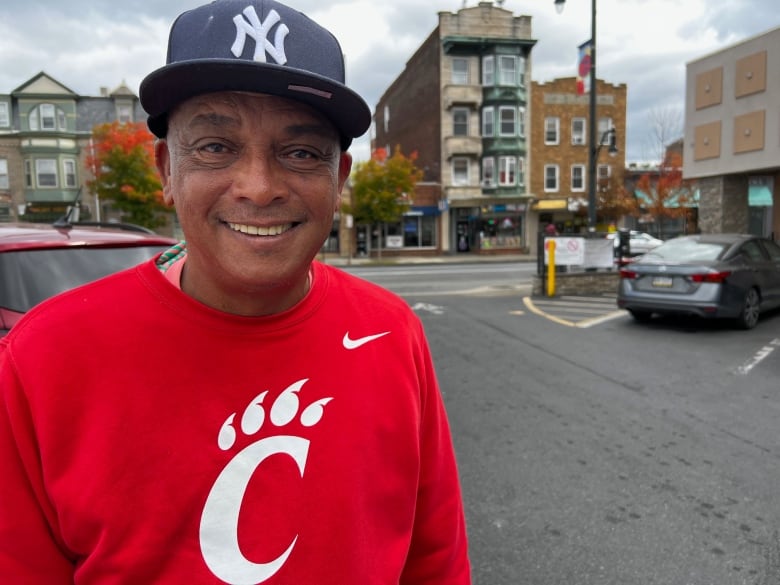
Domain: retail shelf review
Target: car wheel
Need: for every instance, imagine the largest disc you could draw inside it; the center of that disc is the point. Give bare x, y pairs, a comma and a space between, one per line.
640, 316
748, 317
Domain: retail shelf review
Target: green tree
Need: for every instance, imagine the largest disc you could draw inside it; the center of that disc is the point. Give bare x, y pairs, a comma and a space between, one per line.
382, 188
122, 162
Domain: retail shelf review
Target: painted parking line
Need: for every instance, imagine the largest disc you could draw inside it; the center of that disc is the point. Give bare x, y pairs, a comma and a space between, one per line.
579, 306
758, 357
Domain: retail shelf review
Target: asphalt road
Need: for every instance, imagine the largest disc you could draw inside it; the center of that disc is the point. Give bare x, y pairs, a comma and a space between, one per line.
613, 453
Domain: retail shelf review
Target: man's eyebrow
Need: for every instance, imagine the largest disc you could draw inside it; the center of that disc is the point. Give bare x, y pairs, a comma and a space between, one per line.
323, 130
214, 120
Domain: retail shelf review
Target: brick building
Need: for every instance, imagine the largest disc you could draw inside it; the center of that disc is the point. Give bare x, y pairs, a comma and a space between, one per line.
560, 154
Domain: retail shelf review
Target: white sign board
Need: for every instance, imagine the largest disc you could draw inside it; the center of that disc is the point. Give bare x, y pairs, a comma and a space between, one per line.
568, 251
395, 241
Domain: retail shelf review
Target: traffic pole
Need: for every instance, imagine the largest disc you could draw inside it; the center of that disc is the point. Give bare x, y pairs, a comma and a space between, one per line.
550, 267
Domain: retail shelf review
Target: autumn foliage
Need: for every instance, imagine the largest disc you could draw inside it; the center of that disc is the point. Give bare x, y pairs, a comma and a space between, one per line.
382, 187
122, 163
667, 194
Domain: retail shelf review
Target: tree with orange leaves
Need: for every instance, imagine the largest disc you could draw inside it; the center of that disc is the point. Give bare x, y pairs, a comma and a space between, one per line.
667, 194
122, 163
383, 187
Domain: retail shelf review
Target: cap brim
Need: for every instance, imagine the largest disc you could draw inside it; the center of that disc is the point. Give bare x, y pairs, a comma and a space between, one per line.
168, 86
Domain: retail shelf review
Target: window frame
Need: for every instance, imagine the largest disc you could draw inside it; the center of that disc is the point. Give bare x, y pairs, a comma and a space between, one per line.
503, 110
556, 130
460, 77
578, 178
69, 176
552, 188
488, 178
5, 115
579, 137
488, 70
5, 180
507, 76
507, 166
463, 125
457, 180
488, 121
39, 172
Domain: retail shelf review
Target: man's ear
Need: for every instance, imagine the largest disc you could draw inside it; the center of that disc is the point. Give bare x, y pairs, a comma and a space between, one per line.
162, 160
345, 167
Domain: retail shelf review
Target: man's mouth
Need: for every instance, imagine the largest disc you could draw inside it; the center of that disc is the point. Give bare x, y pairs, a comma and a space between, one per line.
255, 230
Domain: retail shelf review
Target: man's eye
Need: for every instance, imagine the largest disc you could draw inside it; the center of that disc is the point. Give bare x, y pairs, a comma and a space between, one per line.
214, 148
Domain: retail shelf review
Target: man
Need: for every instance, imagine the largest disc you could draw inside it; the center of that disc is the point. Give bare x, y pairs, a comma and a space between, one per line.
232, 412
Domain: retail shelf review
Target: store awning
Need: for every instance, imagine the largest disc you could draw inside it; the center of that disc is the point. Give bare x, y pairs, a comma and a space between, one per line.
759, 196
550, 205
673, 201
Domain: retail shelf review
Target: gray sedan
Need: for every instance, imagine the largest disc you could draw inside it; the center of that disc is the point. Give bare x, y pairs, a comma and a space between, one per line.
733, 276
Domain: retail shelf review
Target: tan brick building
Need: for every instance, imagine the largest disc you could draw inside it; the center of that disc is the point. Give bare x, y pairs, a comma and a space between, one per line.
560, 155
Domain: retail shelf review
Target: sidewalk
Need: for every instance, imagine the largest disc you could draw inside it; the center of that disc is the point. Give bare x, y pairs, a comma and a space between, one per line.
336, 260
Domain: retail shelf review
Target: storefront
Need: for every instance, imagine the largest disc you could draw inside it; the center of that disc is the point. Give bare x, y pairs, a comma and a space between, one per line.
496, 227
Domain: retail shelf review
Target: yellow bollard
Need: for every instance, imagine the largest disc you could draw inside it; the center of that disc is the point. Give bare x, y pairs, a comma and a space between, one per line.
550, 267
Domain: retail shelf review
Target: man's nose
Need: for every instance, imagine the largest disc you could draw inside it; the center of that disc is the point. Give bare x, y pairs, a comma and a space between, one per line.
260, 178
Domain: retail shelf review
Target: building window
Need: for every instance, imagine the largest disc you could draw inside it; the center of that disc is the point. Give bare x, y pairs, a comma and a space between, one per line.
551, 130
521, 122
507, 171
28, 182
521, 68
507, 70
460, 171
460, 71
419, 231
605, 124
488, 122
488, 70
507, 120
4, 173
46, 117
46, 172
460, 122
604, 172
5, 118
488, 172
124, 114
578, 177
578, 131
521, 171
386, 118
551, 178
69, 172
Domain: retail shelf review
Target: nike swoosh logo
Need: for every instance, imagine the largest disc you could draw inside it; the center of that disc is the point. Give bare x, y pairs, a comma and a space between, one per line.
355, 343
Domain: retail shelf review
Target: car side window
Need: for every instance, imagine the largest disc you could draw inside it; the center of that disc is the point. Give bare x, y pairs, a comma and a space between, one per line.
753, 251
772, 249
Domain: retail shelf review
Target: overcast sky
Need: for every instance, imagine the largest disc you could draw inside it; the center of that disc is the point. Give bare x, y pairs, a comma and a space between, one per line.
87, 44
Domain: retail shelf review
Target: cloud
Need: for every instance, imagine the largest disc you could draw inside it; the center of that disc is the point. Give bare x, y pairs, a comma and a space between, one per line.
88, 44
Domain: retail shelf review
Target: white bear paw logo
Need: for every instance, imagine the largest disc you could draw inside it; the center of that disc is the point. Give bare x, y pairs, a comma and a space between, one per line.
219, 521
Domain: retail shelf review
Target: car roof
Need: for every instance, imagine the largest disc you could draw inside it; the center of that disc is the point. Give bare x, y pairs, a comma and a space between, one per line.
721, 238
25, 236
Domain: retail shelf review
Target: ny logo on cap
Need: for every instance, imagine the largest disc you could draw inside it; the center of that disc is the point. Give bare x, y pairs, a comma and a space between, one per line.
250, 25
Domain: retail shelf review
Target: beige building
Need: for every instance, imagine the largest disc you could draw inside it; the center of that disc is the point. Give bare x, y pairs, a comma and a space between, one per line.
732, 136
461, 104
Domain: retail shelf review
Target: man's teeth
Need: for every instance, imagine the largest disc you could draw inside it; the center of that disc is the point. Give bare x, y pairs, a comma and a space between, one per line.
254, 230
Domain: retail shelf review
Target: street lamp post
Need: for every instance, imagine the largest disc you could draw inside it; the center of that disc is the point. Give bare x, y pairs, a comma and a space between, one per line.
593, 149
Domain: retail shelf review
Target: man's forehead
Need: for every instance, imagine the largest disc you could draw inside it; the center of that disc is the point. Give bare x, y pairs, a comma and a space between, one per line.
234, 106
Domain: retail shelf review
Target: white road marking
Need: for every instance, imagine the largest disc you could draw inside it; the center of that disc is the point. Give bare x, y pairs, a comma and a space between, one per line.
758, 357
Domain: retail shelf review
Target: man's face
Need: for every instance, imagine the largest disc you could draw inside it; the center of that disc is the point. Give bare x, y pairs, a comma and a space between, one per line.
255, 180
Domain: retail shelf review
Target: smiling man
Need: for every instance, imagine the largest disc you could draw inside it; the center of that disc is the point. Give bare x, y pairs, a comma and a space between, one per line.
232, 411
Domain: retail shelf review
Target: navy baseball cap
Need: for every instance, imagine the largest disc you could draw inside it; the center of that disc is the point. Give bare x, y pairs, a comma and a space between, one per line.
258, 46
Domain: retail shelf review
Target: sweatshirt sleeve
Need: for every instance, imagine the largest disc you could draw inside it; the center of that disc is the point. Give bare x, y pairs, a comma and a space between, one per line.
438, 554
29, 552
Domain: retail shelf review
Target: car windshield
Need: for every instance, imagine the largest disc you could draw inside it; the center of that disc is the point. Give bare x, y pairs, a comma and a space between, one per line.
686, 250
27, 277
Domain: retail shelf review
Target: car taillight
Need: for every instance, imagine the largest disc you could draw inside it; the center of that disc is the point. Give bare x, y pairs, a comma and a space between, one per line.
713, 277
628, 274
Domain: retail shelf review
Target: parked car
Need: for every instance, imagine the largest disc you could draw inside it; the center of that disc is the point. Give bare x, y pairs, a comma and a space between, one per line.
38, 261
639, 242
733, 276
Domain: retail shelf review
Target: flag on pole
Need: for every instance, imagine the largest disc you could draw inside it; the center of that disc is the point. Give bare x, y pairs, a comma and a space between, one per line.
583, 67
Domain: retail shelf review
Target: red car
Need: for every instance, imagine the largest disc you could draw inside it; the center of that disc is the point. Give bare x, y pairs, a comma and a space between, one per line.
38, 261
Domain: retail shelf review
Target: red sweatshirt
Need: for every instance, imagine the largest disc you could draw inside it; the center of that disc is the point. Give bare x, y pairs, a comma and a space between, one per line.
148, 439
